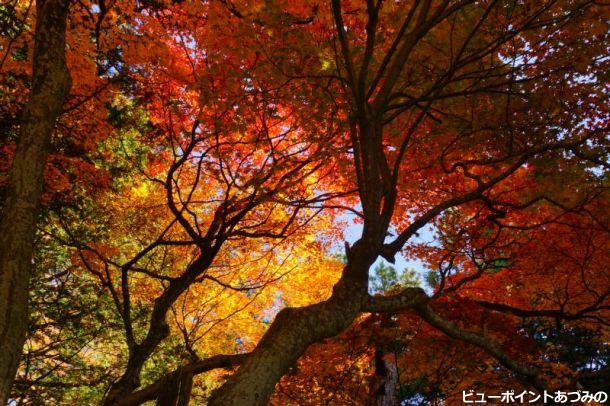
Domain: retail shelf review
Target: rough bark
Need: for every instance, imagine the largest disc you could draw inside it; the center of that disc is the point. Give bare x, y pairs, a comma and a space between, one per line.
291, 333
50, 85
385, 382
294, 330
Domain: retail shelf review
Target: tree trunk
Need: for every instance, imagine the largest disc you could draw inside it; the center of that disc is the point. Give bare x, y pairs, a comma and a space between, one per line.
293, 331
50, 85
385, 382
178, 390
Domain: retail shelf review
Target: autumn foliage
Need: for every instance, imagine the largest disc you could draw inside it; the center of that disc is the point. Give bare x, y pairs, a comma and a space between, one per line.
213, 157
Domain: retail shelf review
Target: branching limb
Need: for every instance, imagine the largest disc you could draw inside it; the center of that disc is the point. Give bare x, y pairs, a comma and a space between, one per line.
530, 374
406, 299
152, 391
558, 314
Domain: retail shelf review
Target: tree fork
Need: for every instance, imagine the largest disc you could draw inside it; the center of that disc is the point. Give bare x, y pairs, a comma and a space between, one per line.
157, 332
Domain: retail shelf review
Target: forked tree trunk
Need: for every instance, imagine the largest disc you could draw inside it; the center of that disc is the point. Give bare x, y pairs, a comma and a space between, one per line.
50, 85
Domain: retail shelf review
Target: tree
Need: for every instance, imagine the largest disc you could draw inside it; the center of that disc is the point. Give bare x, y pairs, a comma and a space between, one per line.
375, 104
242, 133
50, 85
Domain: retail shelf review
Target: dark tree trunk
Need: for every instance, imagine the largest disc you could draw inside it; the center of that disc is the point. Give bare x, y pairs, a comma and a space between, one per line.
50, 85
177, 391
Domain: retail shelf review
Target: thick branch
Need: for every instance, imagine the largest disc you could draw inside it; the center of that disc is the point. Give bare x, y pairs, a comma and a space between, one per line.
552, 313
406, 299
152, 391
529, 373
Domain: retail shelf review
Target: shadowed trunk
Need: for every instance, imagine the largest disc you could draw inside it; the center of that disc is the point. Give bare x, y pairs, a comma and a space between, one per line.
50, 85
178, 390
